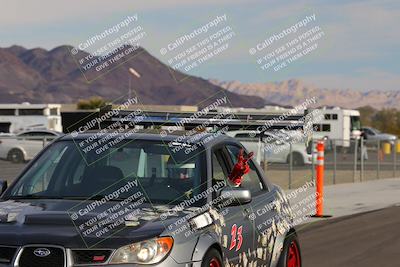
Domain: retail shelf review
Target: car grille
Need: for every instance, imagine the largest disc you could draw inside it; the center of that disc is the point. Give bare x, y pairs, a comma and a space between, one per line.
84, 257
56, 258
7, 254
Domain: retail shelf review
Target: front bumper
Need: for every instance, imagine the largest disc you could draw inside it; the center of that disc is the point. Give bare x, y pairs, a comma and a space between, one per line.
69, 261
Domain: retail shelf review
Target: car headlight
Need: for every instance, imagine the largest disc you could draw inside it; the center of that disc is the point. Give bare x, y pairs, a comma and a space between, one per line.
145, 252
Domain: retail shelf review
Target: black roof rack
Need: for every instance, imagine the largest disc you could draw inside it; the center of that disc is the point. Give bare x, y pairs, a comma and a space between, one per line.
238, 121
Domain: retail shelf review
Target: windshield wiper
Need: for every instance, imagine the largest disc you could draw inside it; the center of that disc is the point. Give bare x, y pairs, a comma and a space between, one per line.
34, 197
100, 197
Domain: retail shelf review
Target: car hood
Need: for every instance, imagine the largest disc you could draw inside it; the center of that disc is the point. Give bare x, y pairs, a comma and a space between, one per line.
52, 222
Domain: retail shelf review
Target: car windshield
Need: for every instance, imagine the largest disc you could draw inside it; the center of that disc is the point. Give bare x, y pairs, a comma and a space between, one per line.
375, 131
66, 171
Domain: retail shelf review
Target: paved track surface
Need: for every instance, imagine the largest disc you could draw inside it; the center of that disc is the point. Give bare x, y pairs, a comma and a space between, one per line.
8, 170
369, 239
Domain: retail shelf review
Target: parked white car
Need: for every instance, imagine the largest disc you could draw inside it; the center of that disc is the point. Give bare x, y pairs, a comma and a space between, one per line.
372, 134
25, 145
273, 148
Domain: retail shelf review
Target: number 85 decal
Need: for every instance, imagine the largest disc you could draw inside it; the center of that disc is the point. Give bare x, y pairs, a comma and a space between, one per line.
237, 238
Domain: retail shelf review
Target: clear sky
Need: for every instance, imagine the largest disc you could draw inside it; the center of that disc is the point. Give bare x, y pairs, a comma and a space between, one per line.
360, 49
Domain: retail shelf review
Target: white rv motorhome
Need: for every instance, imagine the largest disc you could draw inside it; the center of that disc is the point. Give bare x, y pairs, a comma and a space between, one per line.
337, 124
19, 117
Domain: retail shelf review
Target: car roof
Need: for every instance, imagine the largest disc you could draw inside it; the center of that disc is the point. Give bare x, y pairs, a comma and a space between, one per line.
40, 131
159, 135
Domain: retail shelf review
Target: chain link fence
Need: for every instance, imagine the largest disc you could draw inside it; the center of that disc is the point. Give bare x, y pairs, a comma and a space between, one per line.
290, 165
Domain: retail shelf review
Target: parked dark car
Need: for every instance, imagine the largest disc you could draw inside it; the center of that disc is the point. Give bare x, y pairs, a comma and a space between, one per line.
140, 199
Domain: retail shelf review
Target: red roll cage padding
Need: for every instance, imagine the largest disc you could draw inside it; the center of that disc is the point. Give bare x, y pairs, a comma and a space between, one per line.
240, 168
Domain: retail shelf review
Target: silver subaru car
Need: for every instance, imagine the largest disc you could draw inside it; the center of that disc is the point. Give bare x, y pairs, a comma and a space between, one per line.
145, 199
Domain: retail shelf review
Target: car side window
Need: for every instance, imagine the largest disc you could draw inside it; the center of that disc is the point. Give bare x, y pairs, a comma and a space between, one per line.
217, 169
252, 180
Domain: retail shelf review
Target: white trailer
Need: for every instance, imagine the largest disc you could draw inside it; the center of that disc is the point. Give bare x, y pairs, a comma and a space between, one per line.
20, 117
337, 124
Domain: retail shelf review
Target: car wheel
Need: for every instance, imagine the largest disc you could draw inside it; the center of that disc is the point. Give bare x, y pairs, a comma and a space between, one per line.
212, 259
291, 256
16, 156
297, 159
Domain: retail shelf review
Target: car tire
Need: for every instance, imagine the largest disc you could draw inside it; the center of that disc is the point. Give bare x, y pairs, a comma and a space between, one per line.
15, 155
291, 255
212, 259
297, 159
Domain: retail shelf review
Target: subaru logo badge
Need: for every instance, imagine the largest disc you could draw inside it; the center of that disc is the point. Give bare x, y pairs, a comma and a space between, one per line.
41, 252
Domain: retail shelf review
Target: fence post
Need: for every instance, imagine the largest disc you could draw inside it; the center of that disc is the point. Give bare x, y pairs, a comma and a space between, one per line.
290, 165
378, 167
334, 161
355, 159
394, 158
362, 153
312, 161
264, 156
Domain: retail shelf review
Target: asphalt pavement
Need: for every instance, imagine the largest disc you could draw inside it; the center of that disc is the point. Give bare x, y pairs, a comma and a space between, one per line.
9, 171
364, 230
368, 239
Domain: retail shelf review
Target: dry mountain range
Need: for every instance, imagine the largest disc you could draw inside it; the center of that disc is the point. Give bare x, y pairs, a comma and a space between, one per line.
52, 76
42, 76
293, 92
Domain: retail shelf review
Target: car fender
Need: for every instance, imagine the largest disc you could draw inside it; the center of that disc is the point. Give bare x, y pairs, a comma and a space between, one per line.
285, 228
278, 248
204, 243
277, 251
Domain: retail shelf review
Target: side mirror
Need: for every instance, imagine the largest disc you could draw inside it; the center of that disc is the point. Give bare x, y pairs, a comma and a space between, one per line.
3, 186
236, 195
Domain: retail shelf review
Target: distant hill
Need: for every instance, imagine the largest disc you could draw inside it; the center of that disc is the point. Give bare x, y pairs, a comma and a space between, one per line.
293, 92
42, 76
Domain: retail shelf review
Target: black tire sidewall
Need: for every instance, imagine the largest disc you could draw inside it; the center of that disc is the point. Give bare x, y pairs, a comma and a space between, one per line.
298, 157
284, 256
210, 254
20, 156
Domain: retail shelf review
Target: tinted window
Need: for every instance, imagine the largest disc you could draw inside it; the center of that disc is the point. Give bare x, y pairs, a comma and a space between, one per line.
30, 112
218, 171
54, 111
327, 116
7, 111
37, 134
242, 135
326, 127
322, 127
